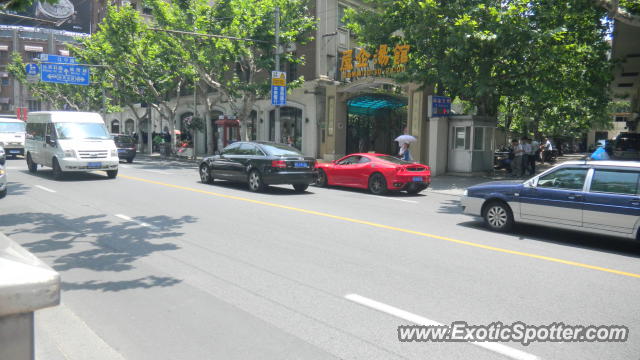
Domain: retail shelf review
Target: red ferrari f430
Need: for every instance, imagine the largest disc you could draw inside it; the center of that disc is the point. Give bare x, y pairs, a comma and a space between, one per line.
377, 172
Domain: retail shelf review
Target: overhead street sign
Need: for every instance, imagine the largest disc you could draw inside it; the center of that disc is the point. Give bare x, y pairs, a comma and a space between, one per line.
65, 74
57, 59
278, 88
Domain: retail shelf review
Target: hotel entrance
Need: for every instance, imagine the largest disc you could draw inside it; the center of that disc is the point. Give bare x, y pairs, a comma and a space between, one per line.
374, 121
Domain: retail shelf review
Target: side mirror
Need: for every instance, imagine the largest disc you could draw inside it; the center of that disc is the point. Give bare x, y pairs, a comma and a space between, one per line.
334, 161
49, 140
3, 159
533, 182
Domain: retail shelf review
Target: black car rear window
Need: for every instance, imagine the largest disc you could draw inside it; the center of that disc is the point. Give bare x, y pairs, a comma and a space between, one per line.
124, 140
280, 150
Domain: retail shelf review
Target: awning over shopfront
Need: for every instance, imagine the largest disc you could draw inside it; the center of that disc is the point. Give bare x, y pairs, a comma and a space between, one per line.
371, 104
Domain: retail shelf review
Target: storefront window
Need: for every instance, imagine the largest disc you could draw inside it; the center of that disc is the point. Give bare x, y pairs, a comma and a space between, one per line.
290, 126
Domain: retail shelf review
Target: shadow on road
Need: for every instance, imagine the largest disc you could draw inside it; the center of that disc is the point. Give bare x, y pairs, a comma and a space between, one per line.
97, 243
398, 194
602, 243
450, 207
270, 190
14, 188
45, 173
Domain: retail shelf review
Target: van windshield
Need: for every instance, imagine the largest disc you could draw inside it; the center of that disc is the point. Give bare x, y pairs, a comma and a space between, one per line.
11, 127
82, 131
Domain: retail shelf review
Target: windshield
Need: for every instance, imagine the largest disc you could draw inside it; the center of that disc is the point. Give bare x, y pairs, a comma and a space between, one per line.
281, 150
82, 131
123, 139
11, 127
392, 159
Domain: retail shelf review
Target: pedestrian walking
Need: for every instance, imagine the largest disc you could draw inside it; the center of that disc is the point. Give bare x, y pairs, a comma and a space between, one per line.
533, 151
526, 150
404, 141
518, 161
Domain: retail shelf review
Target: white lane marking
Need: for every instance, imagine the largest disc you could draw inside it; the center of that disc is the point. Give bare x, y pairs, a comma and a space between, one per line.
125, 217
417, 319
45, 189
389, 198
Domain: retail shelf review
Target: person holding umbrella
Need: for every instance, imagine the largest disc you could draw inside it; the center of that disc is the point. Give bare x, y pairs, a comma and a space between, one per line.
404, 141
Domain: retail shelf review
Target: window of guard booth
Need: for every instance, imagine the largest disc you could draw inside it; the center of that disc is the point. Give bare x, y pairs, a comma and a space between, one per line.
478, 138
461, 137
290, 125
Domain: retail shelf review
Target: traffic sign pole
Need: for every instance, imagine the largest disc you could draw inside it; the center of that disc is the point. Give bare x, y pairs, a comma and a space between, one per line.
277, 110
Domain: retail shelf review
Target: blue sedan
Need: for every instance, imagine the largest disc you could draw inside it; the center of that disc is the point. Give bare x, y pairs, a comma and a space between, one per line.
597, 196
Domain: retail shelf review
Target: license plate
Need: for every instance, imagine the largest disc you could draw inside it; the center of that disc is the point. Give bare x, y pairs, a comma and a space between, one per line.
14, 151
301, 165
417, 178
94, 165
122, 150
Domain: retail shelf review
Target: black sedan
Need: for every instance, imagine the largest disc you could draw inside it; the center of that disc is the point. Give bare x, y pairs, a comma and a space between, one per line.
259, 164
126, 145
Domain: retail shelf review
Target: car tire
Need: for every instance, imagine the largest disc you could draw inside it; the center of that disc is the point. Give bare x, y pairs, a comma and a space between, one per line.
58, 174
300, 187
205, 174
130, 160
255, 181
112, 174
3, 193
377, 184
321, 178
33, 167
498, 216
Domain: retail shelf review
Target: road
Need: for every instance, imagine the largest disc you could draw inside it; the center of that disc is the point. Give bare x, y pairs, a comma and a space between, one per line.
156, 265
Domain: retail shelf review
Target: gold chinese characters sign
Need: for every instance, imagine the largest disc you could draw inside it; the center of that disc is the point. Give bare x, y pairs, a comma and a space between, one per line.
361, 63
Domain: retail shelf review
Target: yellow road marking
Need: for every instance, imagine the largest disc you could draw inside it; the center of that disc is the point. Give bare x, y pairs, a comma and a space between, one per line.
382, 226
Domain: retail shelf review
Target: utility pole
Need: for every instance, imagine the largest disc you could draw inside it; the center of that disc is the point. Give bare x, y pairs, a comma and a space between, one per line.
277, 110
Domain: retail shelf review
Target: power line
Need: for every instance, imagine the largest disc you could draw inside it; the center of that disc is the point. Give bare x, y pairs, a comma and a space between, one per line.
207, 35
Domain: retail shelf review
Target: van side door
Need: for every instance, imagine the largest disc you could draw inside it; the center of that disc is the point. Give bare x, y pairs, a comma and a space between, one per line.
49, 148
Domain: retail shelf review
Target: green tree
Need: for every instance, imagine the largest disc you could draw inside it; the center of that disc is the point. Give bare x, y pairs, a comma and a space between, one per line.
546, 58
140, 65
238, 69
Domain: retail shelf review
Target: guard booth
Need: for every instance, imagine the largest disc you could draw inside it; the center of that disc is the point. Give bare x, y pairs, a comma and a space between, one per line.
471, 143
228, 130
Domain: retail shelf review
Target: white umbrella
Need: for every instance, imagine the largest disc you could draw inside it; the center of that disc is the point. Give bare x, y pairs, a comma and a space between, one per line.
405, 139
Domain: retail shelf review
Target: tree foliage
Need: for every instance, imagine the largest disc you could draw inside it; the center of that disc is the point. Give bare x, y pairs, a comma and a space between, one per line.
238, 69
545, 60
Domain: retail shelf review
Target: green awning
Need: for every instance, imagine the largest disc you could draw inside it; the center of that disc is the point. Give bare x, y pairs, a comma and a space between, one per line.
370, 104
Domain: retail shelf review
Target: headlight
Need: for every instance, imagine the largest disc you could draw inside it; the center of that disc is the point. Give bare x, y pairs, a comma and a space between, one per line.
69, 153
114, 152
465, 193
1, 172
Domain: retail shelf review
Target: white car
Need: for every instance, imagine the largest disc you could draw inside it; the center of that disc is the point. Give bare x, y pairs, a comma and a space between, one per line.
3, 174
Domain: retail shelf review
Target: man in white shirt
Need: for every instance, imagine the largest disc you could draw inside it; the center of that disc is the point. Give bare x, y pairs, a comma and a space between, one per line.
526, 151
548, 148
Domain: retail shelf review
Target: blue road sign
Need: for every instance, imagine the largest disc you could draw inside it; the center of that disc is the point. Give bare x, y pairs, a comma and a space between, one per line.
57, 59
32, 69
441, 106
278, 95
65, 74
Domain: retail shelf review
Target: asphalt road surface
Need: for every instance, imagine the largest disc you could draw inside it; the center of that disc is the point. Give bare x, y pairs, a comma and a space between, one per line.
156, 265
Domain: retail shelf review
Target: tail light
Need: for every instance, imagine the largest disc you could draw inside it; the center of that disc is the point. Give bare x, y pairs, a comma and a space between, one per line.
278, 164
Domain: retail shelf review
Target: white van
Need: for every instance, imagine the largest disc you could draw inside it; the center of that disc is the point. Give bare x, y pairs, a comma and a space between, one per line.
12, 135
70, 141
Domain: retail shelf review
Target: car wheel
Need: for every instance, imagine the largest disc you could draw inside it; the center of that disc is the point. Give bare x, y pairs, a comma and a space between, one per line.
321, 178
112, 174
58, 174
130, 160
33, 167
205, 174
300, 187
498, 216
255, 181
377, 184
3, 193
